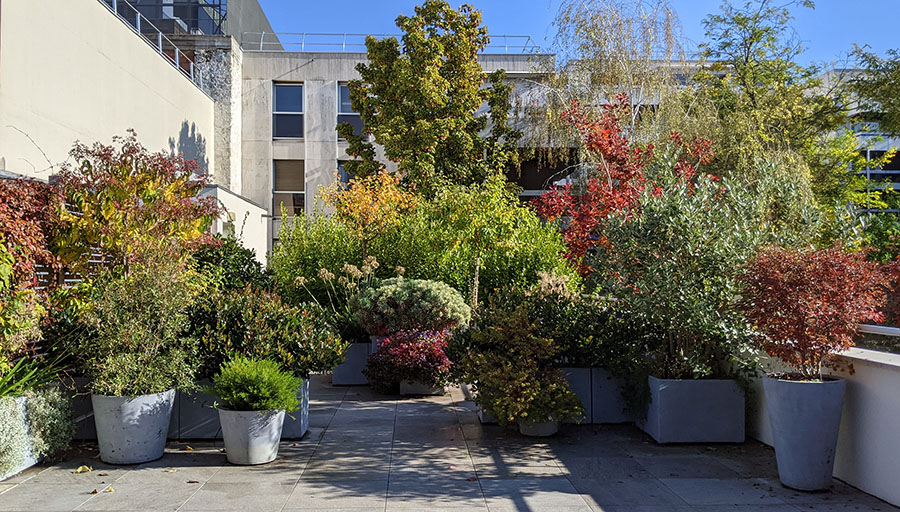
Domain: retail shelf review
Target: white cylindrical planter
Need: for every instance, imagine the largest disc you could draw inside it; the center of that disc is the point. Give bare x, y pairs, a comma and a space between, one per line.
805, 418
539, 429
131, 430
251, 437
419, 388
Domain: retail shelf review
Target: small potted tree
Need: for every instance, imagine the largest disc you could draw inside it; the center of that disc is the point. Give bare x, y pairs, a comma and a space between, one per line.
808, 305
512, 370
254, 394
414, 359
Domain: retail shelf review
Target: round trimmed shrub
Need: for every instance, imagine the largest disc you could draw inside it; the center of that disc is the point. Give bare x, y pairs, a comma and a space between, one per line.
410, 305
245, 384
414, 356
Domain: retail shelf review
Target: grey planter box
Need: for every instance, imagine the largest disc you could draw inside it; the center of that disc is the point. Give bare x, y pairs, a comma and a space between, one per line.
350, 372
410, 388
28, 458
607, 403
296, 424
485, 418
579, 380
695, 411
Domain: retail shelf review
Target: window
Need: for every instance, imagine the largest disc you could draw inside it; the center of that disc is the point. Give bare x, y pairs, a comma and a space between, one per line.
343, 176
345, 110
287, 111
289, 185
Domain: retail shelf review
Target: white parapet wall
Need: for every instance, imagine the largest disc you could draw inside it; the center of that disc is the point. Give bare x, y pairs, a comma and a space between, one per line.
868, 454
72, 70
243, 218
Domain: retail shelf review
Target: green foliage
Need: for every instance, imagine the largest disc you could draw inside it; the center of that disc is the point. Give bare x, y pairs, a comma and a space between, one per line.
512, 369
13, 435
401, 304
136, 320
420, 99
245, 384
258, 324
878, 88
29, 372
673, 269
50, 422
230, 266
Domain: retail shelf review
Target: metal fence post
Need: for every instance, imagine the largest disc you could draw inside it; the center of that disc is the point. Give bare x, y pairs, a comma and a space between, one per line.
159, 42
137, 21
192, 71
262, 37
115, 6
177, 65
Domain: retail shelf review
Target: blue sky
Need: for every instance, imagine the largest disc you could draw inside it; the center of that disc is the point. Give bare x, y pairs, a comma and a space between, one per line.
828, 32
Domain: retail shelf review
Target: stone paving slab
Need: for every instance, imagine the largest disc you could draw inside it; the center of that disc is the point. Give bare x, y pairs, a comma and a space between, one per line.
367, 451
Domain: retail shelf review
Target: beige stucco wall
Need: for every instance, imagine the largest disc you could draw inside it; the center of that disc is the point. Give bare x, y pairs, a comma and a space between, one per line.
249, 221
70, 70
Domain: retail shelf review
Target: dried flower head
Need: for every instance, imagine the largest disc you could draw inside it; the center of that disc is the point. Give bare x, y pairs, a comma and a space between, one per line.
300, 281
352, 271
325, 275
400, 270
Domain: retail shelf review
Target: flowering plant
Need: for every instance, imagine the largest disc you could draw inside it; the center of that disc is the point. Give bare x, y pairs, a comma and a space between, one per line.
809, 304
414, 356
410, 304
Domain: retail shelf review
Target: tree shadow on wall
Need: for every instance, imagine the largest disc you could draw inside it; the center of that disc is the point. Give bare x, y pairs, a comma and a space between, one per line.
191, 145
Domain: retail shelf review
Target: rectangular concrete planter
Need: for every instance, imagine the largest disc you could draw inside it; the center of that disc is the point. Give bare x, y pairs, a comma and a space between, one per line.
28, 458
607, 403
408, 388
579, 380
485, 418
350, 372
695, 411
296, 424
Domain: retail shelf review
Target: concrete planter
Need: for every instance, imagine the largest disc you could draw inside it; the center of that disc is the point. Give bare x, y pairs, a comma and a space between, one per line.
419, 388
28, 458
296, 424
695, 411
251, 437
350, 372
485, 418
805, 418
579, 380
539, 429
607, 403
131, 430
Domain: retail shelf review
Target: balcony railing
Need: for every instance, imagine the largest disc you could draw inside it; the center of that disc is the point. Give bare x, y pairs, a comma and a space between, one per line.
154, 37
327, 42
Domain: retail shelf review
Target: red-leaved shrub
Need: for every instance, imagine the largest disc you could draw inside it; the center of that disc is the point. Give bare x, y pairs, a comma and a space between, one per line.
809, 304
415, 356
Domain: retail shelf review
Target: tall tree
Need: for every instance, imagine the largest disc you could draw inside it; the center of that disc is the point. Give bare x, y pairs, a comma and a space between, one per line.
422, 99
878, 88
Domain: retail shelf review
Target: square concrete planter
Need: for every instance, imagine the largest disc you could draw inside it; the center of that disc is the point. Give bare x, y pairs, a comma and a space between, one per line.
296, 424
416, 388
695, 411
350, 372
579, 380
485, 418
195, 416
607, 403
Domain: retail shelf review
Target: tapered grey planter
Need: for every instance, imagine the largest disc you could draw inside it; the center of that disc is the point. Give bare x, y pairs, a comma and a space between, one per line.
579, 380
695, 411
418, 388
296, 424
350, 372
538, 429
805, 418
131, 430
251, 437
607, 403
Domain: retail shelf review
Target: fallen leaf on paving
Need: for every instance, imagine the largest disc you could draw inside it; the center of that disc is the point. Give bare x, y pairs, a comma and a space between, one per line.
102, 474
193, 481
295, 444
170, 470
110, 490
83, 469
452, 467
187, 449
471, 479
95, 491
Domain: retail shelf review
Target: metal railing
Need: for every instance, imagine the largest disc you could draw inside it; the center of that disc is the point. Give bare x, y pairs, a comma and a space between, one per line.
155, 38
333, 42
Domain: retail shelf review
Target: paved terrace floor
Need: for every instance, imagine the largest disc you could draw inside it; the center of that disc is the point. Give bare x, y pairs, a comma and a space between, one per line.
371, 452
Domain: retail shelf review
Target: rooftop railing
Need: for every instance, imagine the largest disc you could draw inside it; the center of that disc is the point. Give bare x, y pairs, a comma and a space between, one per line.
155, 38
332, 42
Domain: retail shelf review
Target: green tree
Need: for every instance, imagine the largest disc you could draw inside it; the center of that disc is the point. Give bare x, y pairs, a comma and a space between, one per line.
421, 99
878, 88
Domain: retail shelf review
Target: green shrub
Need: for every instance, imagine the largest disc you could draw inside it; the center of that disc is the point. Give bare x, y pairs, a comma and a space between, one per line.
257, 323
401, 304
513, 370
13, 435
246, 384
231, 266
137, 320
50, 422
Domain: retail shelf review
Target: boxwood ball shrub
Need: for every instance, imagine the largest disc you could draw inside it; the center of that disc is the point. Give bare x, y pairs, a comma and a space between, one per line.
248, 384
414, 356
401, 304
